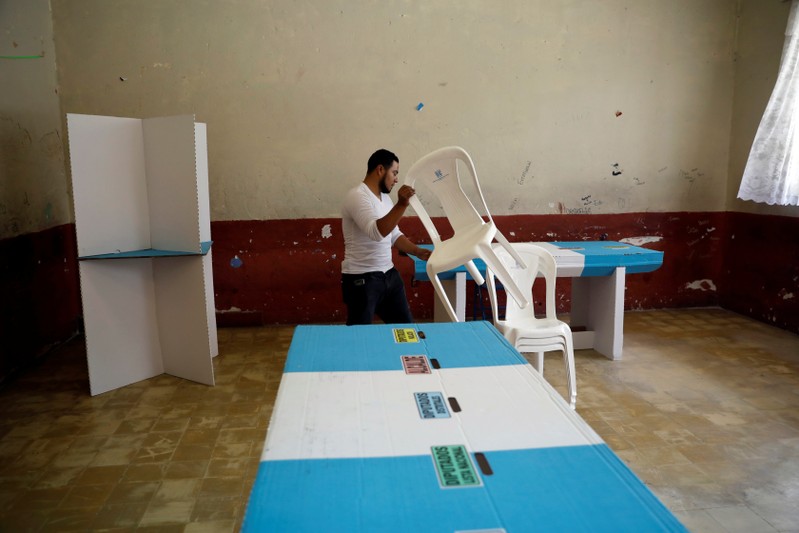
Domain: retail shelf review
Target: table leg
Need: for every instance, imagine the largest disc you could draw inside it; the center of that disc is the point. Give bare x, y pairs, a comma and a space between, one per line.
456, 292
598, 306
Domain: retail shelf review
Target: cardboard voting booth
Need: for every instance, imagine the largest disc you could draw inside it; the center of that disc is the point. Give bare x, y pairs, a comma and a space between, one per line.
434, 427
142, 216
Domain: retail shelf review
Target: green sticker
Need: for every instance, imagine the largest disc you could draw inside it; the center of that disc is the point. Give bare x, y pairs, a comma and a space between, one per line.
454, 467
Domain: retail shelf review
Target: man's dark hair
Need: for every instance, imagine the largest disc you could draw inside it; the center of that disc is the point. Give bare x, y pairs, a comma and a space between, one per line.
381, 157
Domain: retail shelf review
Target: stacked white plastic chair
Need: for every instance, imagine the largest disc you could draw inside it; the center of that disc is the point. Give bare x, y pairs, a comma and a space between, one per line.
521, 327
438, 173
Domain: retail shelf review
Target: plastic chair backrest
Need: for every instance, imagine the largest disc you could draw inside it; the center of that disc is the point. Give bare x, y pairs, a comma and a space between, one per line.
438, 171
540, 263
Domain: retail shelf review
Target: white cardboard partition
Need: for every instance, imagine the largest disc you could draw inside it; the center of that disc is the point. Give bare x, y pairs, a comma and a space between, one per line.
183, 321
210, 308
109, 185
122, 330
172, 187
203, 193
142, 185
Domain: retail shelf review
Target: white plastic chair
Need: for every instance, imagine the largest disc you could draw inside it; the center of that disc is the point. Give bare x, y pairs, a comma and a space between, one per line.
521, 327
438, 173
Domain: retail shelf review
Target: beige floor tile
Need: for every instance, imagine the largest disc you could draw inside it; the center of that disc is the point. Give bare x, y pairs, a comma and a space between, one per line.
177, 490
186, 469
740, 519
132, 492
209, 509
101, 475
145, 472
84, 496
217, 526
71, 519
168, 512
58, 477
699, 521
228, 467
221, 487
125, 516
193, 452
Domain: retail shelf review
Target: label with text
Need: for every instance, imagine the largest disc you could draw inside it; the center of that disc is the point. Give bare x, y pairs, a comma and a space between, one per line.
431, 405
416, 364
454, 467
405, 335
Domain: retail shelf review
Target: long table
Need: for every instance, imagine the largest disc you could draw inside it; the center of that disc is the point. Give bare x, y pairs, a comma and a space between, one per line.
434, 427
597, 270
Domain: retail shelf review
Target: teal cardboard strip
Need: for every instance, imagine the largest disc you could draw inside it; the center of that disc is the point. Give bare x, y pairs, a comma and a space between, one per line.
205, 247
373, 348
576, 488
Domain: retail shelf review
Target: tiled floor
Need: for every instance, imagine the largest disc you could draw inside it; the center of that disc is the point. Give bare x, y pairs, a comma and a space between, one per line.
704, 407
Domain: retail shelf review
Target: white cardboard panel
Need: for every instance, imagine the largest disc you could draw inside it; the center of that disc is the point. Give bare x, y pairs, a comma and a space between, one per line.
570, 263
109, 185
171, 183
182, 318
203, 194
210, 306
353, 414
373, 414
513, 407
121, 331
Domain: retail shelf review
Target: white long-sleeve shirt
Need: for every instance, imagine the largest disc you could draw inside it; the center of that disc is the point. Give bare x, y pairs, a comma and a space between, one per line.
365, 250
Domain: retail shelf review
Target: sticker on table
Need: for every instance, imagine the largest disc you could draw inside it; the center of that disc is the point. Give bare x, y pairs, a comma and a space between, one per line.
415, 364
405, 335
454, 467
431, 405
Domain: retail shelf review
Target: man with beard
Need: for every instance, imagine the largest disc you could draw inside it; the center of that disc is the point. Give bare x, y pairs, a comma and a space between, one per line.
369, 282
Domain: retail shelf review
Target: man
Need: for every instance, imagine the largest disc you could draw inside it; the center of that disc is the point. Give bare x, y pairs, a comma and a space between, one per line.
369, 282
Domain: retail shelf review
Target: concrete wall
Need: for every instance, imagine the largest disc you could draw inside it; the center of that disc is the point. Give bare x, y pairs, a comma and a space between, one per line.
566, 107
33, 181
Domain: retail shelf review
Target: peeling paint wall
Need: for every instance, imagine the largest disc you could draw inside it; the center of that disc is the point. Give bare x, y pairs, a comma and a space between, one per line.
288, 271
566, 107
762, 268
33, 182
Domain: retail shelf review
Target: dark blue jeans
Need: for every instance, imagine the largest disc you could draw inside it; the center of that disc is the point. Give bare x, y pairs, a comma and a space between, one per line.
375, 293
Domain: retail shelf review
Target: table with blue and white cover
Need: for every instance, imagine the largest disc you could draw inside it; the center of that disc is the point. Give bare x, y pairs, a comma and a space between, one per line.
434, 427
597, 270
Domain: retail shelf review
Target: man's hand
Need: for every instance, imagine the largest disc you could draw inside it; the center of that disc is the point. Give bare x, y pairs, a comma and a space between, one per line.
422, 253
404, 195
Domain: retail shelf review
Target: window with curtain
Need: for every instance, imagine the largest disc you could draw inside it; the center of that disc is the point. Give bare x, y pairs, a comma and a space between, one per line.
771, 175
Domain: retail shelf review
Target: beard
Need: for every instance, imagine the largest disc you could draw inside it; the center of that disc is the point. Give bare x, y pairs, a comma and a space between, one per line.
383, 188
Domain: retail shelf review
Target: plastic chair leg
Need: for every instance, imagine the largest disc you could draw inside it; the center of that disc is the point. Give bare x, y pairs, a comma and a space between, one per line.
498, 268
475, 273
509, 247
564, 345
442, 295
539, 362
568, 359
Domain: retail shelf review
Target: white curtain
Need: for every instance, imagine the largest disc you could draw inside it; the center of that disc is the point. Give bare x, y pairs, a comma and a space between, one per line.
772, 171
